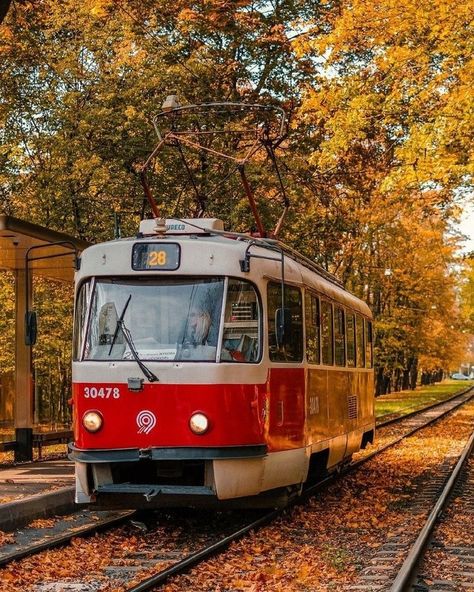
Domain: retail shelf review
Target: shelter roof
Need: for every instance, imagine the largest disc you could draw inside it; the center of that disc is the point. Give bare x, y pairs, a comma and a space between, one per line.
55, 261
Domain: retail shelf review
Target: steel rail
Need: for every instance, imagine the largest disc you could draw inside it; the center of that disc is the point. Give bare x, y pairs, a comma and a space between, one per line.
407, 571
64, 538
195, 558
416, 428
198, 556
399, 418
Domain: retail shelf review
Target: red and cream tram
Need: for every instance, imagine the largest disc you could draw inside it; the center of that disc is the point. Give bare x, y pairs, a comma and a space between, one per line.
213, 368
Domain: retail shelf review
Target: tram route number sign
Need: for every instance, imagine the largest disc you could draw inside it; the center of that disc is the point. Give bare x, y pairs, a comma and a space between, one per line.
156, 257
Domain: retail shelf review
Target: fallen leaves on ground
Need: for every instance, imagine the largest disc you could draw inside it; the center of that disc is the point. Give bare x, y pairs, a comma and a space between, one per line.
42, 523
321, 545
6, 538
324, 544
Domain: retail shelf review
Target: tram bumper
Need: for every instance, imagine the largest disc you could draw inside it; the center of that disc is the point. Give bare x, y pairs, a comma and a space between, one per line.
166, 477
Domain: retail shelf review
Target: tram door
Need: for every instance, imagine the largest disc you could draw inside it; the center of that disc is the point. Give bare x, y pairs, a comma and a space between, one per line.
286, 386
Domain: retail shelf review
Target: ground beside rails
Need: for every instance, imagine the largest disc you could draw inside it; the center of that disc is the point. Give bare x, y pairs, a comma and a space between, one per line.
144, 549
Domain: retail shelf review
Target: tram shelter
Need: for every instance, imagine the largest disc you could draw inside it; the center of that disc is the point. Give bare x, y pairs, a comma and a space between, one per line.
28, 249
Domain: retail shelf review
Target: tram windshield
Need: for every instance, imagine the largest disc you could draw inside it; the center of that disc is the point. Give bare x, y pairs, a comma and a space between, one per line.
172, 319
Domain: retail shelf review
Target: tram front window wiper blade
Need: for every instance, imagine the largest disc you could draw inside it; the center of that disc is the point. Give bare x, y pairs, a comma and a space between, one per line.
128, 338
118, 326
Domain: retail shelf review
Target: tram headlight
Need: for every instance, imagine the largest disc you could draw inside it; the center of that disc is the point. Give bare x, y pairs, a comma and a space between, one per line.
92, 421
199, 424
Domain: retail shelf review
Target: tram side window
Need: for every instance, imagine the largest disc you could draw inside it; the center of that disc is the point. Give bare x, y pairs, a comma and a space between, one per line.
290, 349
350, 339
241, 336
313, 337
339, 337
80, 321
360, 343
368, 344
327, 349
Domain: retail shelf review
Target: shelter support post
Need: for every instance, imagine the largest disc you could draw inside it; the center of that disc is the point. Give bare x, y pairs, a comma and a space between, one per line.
23, 375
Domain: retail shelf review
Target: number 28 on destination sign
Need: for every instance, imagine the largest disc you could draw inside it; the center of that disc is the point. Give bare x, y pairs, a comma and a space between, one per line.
156, 256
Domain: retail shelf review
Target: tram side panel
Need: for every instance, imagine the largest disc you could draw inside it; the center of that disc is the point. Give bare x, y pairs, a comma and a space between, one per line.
337, 409
317, 409
287, 409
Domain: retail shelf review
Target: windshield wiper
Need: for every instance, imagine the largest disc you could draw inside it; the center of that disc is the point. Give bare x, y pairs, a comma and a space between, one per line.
128, 338
119, 322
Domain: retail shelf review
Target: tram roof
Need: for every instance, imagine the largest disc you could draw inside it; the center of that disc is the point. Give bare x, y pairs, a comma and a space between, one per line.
48, 259
300, 270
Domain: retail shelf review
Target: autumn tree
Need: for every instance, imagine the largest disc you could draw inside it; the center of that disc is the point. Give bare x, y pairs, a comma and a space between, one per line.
52, 352
81, 82
380, 111
388, 145
7, 344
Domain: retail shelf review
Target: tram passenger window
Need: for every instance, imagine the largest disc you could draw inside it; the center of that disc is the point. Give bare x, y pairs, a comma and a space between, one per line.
313, 337
360, 342
368, 344
327, 349
350, 339
241, 336
339, 334
291, 349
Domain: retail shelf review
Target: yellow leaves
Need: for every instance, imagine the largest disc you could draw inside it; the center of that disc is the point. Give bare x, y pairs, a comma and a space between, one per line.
6, 33
8, 576
391, 120
85, 165
245, 585
303, 572
386, 52
275, 34
100, 8
6, 538
130, 112
42, 523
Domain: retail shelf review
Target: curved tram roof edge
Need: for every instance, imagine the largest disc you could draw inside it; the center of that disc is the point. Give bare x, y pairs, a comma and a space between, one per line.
330, 285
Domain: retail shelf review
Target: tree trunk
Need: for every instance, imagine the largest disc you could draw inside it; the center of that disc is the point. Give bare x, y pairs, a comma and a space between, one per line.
413, 373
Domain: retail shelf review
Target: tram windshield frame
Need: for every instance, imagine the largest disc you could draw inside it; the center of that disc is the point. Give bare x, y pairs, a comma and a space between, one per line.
169, 319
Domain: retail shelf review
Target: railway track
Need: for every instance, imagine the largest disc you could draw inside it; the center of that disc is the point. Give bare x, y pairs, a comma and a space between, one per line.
50, 534
391, 419
412, 422
448, 561
414, 565
461, 482
160, 562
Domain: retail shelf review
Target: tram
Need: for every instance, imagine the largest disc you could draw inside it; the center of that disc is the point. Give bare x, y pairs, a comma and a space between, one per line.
213, 369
